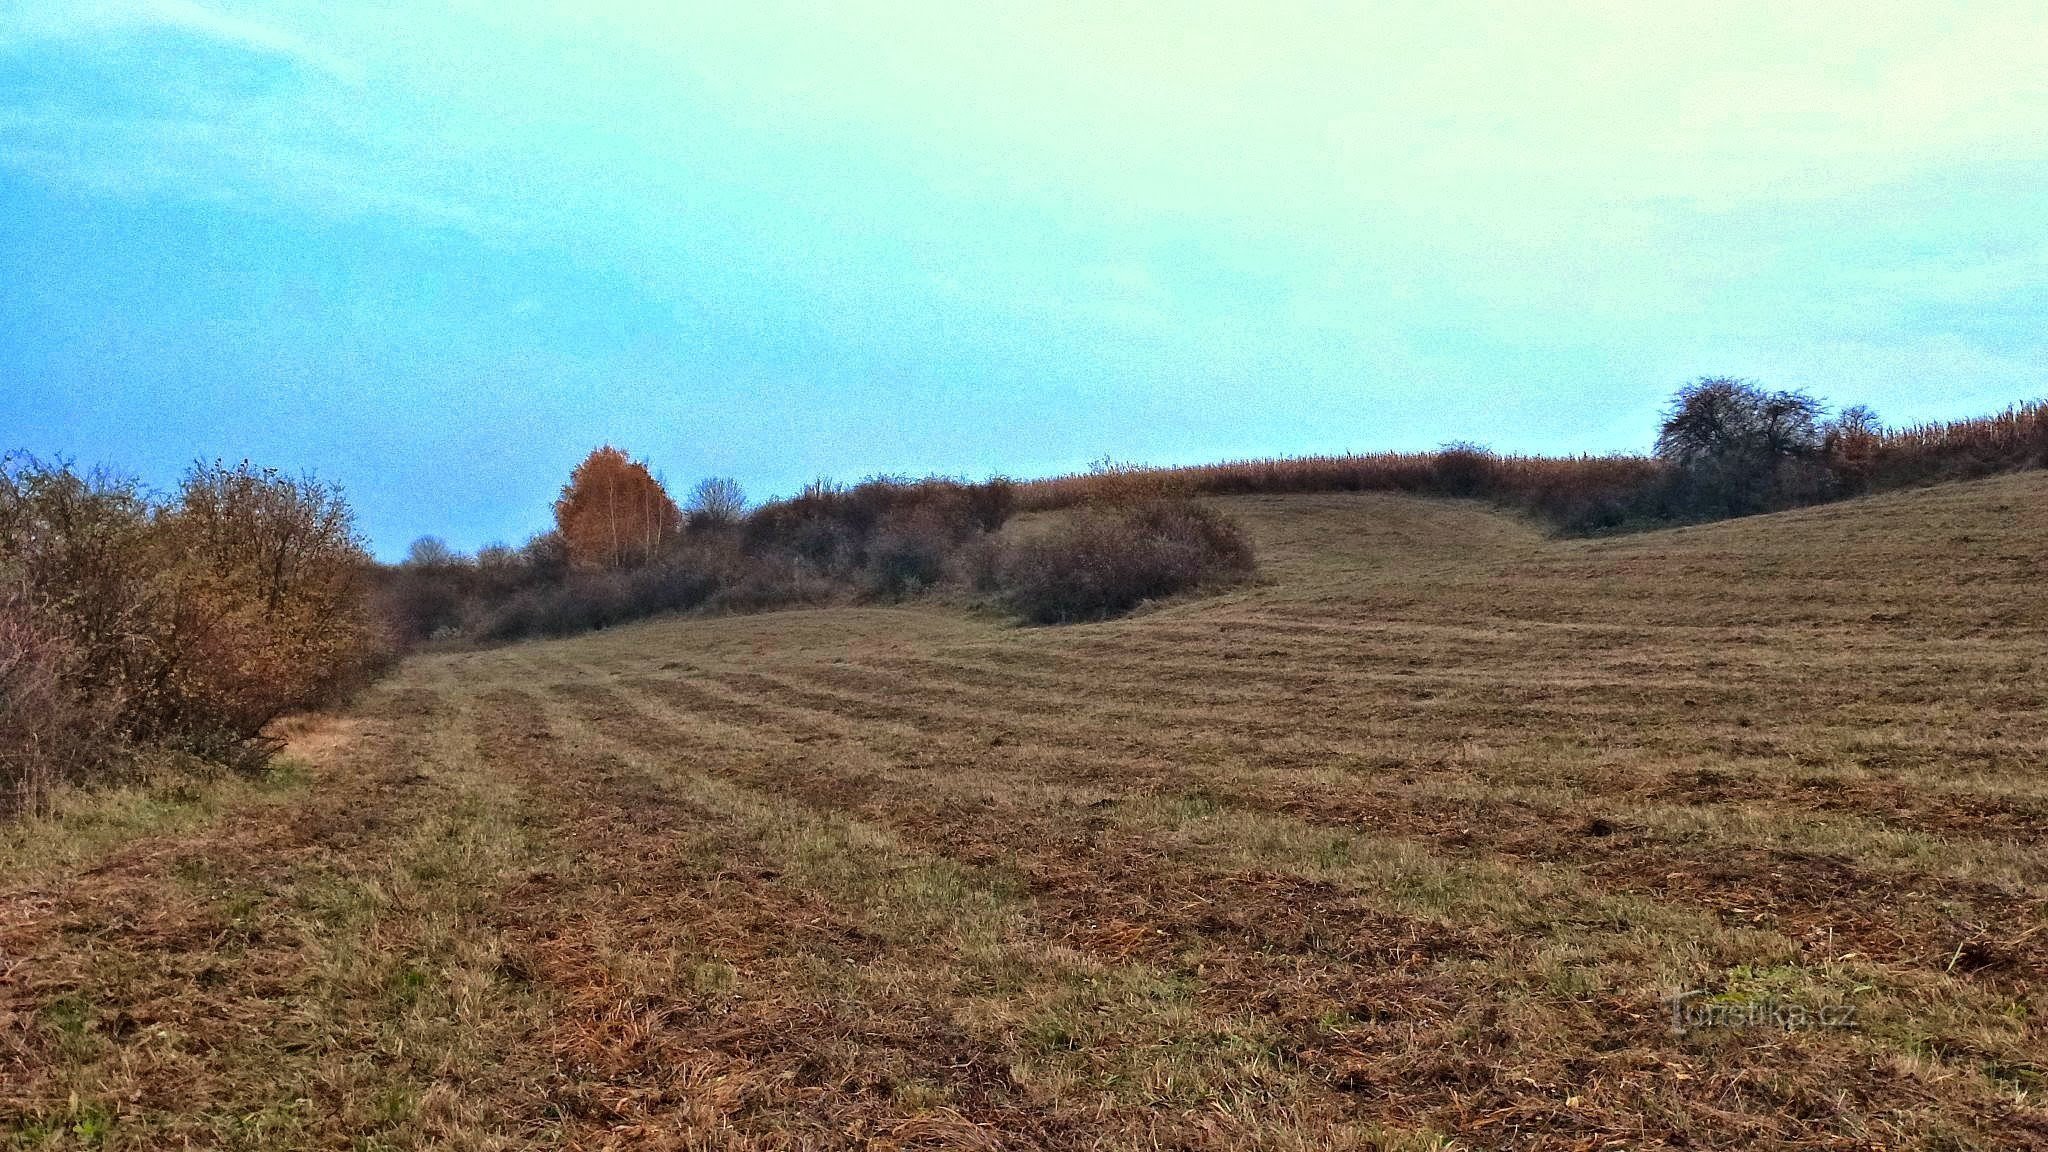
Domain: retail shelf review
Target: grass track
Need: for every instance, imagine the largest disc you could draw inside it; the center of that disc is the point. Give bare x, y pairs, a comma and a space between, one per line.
1404, 847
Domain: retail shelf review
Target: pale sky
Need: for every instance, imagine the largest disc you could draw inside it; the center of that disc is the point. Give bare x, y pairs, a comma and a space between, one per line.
437, 252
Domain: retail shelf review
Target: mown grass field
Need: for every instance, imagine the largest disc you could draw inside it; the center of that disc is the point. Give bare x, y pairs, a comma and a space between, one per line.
1410, 845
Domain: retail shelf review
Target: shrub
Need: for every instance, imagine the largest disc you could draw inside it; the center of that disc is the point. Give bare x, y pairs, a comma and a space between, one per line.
910, 549
1462, 469
426, 596
79, 547
688, 575
1101, 561
51, 731
190, 622
269, 583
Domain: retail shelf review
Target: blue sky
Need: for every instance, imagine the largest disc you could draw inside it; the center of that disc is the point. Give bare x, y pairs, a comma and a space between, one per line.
438, 252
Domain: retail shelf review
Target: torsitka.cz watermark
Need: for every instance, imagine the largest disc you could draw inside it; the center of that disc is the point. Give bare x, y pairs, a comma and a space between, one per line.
1696, 1010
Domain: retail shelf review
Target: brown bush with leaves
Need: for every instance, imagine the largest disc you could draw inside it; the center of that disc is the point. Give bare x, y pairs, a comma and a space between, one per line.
131, 623
269, 581
1100, 560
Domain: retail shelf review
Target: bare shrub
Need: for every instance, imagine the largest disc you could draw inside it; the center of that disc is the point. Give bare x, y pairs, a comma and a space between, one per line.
886, 534
1462, 469
910, 548
977, 565
1101, 561
688, 575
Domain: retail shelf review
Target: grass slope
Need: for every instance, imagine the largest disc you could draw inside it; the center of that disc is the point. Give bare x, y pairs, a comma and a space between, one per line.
1407, 846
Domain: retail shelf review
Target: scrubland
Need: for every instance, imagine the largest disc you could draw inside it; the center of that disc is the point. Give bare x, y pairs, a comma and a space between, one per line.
1412, 843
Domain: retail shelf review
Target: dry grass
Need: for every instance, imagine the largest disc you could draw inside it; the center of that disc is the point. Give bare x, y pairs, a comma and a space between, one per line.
1405, 846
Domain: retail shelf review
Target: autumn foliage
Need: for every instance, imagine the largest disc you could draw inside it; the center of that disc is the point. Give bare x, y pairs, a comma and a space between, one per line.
613, 513
132, 623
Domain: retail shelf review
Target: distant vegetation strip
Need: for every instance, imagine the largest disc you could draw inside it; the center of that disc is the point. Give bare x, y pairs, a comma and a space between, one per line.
1727, 448
134, 628
622, 550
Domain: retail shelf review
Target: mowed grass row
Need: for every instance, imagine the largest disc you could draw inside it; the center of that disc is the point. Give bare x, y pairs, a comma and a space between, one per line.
1408, 845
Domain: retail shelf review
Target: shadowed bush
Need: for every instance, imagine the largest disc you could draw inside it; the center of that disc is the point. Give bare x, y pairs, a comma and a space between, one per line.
1101, 561
1736, 448
51, 729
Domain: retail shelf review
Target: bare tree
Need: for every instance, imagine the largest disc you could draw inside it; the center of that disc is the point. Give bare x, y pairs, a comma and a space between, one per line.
716, 502
1740, 448
431, 552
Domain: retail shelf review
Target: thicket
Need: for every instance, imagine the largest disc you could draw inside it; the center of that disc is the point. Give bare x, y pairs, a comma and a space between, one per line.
884, 539
1579, 494
133, 624
1117, 534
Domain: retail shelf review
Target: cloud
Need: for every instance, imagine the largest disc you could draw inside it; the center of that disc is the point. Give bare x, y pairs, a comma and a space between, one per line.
97, 19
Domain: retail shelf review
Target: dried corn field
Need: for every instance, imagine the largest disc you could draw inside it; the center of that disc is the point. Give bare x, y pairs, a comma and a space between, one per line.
1443, 835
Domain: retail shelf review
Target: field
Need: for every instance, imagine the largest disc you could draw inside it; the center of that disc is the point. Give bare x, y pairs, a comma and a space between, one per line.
1445, 834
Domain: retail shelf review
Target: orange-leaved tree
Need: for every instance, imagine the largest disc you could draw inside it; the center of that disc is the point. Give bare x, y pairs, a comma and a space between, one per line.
613, 512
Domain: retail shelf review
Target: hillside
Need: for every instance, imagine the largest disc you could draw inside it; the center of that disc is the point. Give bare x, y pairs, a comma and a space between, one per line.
1409, 844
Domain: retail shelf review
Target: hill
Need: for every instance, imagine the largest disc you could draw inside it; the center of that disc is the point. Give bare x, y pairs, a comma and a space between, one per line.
1446, 833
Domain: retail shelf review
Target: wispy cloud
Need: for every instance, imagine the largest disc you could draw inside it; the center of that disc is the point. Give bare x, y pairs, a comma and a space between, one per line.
84, 19
176, 96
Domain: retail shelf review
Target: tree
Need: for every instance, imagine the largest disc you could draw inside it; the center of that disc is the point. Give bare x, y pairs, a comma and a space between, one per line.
1740, 448
431, 552
716, 502
1851, 442
613, 513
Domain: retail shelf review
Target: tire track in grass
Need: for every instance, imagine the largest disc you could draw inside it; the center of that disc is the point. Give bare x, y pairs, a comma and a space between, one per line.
961, 831
302, 975
1891, 910
838, 1057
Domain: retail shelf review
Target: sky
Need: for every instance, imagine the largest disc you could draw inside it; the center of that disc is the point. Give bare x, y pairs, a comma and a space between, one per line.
438, 252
